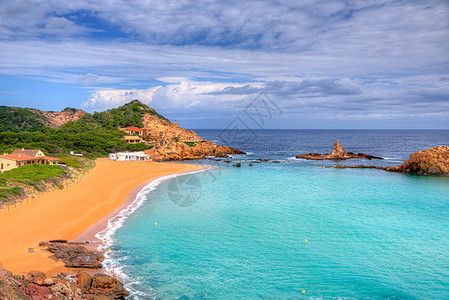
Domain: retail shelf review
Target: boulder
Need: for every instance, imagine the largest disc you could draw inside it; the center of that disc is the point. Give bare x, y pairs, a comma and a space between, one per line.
36, 277
107, 287
62, 291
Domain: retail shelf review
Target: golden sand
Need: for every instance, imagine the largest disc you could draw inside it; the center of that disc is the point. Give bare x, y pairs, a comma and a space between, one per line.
67, 213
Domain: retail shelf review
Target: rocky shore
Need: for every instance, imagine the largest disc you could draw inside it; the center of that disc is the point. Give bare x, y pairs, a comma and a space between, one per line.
78, 286
338, 153
35, 286
433, 161
166, 150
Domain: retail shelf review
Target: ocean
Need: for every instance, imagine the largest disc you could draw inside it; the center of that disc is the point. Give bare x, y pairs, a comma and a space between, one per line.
295, 229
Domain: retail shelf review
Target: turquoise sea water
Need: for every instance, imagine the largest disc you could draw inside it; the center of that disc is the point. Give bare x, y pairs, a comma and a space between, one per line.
239, 233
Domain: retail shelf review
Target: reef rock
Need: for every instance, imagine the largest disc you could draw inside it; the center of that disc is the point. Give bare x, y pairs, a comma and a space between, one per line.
337, 153
433, 161
76, 256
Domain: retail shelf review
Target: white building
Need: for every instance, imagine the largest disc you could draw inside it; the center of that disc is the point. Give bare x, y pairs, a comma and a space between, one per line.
132, 156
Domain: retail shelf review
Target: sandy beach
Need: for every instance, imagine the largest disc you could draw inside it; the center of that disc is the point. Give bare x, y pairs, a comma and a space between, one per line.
76, 212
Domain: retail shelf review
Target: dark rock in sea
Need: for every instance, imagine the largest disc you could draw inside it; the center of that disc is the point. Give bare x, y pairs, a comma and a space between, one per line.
338, 153
276, 161
251, 164
359, 166
238, 165
263, 159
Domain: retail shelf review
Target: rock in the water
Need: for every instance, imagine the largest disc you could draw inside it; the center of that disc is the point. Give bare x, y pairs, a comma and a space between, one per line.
238, 165
433, 161
358, 166
337, 153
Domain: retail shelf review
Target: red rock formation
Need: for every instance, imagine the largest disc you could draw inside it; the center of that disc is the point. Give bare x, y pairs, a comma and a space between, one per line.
432, 161
57, 119
35, 285
337, 153
172, 150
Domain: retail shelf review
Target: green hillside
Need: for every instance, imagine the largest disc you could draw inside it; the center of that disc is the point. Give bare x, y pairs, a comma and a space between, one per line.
18, 119
93, 135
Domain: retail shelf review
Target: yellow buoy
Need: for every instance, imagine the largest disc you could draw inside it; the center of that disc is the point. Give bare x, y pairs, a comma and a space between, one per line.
306, 240
303, 291
155, 223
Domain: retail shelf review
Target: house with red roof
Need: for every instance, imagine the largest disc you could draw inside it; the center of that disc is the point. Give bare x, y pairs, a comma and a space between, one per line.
21, 157
142, 132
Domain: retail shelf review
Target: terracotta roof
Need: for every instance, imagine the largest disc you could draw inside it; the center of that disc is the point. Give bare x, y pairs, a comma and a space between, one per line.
134, 128
19, 157
24, 157
31, 152
49, 157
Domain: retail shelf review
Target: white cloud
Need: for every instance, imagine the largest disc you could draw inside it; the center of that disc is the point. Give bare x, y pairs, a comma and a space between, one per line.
311, 56
106, 99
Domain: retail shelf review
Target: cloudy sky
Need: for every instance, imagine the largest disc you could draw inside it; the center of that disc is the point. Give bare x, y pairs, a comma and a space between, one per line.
322, 64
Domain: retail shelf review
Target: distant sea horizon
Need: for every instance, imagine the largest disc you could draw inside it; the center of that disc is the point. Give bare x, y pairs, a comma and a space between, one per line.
294, 229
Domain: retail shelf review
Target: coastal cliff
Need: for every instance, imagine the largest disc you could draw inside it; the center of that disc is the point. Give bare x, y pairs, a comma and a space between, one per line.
338, 153
171, 142
432, 161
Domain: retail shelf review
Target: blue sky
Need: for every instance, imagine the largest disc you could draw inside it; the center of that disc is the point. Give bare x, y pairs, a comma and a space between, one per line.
324, 64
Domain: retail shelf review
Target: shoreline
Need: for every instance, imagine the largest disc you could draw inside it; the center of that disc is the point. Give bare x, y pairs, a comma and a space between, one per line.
74, 212
90, 235
99, 234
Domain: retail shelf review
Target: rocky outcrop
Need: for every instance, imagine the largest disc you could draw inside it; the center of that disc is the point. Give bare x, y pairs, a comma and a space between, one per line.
74, 255
433, 161
359, 167
166, 150
57, 119
338, 153
35, 285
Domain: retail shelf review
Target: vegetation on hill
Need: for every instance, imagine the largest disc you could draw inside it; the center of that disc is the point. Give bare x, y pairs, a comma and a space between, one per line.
29, 180
92, 135
129, 114
18, 119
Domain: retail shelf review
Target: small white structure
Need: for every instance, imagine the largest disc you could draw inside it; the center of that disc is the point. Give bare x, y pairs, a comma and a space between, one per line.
74, 153
131, 156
